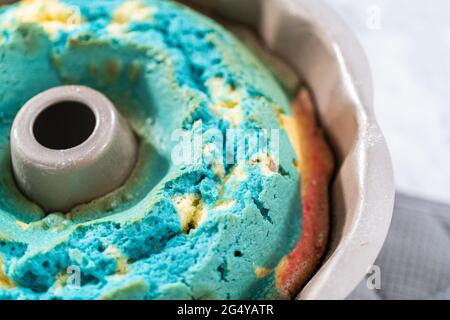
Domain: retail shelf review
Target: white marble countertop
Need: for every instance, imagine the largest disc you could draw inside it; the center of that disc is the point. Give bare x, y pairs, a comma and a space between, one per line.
408, 46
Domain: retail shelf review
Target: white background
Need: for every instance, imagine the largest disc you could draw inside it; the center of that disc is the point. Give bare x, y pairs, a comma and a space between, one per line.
408, 46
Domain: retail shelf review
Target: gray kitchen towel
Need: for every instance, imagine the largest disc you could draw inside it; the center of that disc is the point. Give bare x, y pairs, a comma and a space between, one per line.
415, 260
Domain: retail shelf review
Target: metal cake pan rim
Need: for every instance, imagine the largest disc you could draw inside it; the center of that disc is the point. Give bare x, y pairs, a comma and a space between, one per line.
335, 279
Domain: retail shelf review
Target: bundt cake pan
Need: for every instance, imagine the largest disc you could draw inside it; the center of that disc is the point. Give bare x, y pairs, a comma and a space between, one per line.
312, 39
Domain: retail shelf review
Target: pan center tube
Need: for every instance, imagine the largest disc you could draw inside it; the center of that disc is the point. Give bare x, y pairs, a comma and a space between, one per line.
70, 145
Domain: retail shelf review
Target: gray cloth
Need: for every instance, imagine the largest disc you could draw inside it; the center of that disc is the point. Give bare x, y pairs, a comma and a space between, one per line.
415, 260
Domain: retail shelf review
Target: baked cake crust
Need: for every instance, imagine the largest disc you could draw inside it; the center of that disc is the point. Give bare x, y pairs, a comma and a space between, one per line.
316, 166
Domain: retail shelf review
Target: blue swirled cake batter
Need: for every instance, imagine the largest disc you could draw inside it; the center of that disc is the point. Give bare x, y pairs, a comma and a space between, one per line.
205, 230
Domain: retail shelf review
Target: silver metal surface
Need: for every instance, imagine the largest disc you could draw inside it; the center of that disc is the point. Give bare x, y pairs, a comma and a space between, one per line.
61, 160
317, 44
